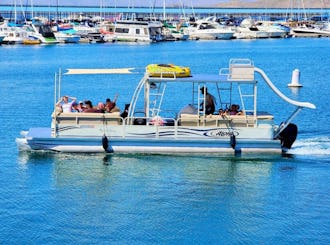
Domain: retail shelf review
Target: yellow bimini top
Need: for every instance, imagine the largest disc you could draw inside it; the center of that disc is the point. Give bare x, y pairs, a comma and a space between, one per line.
167, 70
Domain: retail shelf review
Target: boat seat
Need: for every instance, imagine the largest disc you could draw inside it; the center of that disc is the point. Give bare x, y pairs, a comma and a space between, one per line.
221, 121
215, 121
243, 121
189, 120
210, 120
89, 118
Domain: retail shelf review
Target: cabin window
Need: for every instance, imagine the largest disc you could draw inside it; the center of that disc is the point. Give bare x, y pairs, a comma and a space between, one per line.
137, 31
122, 30
145, 31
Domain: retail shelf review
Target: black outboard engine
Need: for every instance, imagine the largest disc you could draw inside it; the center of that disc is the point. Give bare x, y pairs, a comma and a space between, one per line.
288, 136
124, 114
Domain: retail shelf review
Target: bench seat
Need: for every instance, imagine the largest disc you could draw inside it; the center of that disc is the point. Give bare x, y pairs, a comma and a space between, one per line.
88, 118
219, 121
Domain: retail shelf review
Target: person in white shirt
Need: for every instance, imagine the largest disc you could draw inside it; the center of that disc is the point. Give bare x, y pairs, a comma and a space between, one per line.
66, 105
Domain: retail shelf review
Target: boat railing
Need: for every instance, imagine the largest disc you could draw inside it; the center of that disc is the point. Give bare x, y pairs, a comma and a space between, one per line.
116, 119
240, 70
224, 72
164, 75
159, 124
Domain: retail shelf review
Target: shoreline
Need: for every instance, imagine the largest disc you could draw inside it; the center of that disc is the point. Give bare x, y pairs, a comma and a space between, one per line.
171, 7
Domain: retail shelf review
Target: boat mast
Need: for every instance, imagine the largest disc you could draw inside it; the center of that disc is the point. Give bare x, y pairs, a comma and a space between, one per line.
15, 12
303, 6
164, 10
32, 14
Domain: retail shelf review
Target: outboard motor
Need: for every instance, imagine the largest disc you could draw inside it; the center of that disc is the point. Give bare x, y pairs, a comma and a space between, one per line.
105, 143
106, 146
288, 135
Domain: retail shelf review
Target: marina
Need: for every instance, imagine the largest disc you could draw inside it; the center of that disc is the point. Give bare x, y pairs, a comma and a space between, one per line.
79, 198
156, 24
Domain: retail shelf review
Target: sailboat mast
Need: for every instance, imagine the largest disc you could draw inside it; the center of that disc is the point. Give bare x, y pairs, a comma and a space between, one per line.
164, 9
303, 6
32, 14
15, 12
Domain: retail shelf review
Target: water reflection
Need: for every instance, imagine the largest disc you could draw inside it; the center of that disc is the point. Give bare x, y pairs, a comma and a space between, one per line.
114, 191
295, 91
226, 169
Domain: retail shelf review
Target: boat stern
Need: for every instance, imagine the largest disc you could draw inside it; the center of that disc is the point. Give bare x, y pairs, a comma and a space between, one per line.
22, 143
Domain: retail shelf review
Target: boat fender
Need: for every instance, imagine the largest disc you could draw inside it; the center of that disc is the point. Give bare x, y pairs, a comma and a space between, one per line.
289, 135
105, 143
233, 141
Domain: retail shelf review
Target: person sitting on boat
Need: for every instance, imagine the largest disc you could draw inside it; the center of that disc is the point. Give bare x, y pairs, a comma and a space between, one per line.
66, 105
234, 110
222, 112
89, 107
58, 109
209, 102
100, 107
75, 107
81, 106
110, 105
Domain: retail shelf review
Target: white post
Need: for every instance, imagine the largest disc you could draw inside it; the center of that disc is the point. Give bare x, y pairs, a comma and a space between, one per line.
295, 79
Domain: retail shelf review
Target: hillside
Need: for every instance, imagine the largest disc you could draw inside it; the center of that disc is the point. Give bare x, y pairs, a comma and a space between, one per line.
194, 3
274, 4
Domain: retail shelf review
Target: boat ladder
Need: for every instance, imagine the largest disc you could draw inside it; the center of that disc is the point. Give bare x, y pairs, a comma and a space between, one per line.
244, 97
156, 97
224, 101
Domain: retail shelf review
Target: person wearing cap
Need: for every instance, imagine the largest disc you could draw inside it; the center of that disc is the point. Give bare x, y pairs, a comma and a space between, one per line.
209, 102
75, 107
81, 106
66, 105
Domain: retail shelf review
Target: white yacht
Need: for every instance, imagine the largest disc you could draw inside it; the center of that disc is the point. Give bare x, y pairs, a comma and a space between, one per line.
135, 31
208, 29
309, 31
67, 37
248, 30
274, 31
12, 34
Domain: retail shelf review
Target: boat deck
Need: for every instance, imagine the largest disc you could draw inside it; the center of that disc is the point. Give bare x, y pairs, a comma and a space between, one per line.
39, 133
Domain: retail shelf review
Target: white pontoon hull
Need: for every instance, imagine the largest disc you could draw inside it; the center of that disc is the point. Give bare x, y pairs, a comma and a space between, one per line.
160, 139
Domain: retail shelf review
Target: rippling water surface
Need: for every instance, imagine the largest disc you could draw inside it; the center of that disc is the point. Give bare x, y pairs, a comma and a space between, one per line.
251, 198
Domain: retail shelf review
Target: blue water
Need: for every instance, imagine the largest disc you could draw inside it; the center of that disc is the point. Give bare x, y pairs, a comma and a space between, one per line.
90, 199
